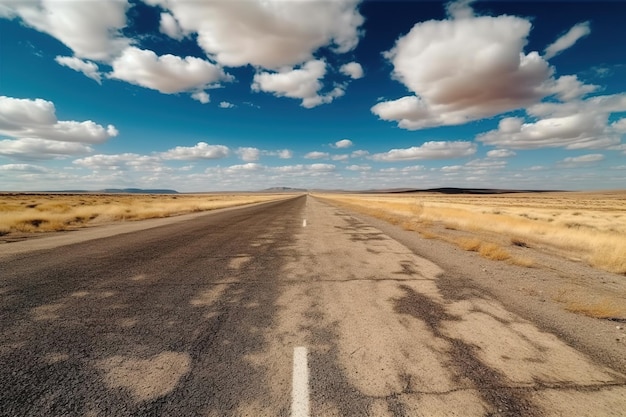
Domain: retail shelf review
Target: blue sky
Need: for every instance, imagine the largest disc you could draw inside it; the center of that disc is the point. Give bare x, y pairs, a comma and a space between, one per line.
246, 95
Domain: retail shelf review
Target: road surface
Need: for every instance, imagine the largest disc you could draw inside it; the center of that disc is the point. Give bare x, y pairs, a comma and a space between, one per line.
290, 308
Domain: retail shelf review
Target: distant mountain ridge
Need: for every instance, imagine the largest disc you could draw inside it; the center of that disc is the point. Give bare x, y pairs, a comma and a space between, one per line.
284, 190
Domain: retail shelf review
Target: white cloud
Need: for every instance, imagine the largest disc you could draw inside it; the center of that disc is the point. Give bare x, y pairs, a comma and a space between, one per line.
169, 26
581, 124
566, 41
289, 169
569, 87
33, 148
167, 73
248, 154
359, 168
359, 153
500, 153
267, 33
91, 29
353, 70
284, 154
34, 126
121, 162
303, 83
464, 69
316, 155
341, 157
201, 96
342, 144
89, 69
583, 160
201, 150
226, 105
321, 167
619, 126
429, 150
23, 168
245, 168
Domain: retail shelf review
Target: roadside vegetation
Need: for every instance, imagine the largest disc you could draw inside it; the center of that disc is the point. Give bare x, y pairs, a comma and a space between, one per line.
584, 226
31, 213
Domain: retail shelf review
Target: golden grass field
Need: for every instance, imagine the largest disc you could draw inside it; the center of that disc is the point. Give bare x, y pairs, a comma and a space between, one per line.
28, 213
590, 226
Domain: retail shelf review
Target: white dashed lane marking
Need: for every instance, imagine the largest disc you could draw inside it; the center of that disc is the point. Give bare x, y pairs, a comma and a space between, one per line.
300, 383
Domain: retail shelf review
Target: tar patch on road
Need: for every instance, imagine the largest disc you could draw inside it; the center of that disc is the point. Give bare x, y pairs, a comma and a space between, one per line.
490, 383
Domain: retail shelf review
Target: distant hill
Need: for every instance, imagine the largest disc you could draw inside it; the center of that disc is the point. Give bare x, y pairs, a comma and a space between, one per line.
284, 190
453, 190
136, 191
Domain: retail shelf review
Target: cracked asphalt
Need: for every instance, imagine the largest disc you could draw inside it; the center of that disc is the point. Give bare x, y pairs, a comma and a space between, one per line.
200, 317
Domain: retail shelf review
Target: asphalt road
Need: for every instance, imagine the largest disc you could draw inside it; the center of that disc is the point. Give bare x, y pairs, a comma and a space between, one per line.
285, 308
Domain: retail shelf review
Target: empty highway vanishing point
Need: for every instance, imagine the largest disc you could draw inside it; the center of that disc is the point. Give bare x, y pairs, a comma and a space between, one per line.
287, 308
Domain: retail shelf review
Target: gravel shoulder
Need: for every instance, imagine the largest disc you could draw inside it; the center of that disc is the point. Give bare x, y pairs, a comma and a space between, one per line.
536, 293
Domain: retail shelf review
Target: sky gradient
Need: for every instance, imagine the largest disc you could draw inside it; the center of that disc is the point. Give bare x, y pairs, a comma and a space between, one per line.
246, 95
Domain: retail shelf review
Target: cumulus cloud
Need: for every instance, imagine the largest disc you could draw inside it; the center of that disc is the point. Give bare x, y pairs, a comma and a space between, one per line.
359, 168
267, 33
343, 143
89, 69
34, 149
583, 160
167, 73
359, 153
201, 150
245, 168
23, 168
500, 153
226, 105
321, 167
567, 40
284, 154
120, 162
429, 150
91, 29
303, 83
569, 87
316, 155
248, 154
201, 96
353, 70
35, 130
581, 124
467, 68
169, 26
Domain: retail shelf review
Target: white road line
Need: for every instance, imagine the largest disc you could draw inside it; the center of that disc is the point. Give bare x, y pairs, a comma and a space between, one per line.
300, 383
304, 223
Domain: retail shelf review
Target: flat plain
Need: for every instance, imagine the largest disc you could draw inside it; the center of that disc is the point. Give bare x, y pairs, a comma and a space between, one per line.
590, 226
23, 215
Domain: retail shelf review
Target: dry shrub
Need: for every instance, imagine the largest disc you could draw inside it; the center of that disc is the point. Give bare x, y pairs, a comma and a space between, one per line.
410, 225
494, 252
522, 261
600, 310
519, 242
428, 235
470, 244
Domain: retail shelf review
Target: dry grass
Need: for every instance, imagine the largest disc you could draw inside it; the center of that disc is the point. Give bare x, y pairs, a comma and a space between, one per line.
604, 309
589, 226
30, 213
